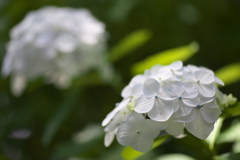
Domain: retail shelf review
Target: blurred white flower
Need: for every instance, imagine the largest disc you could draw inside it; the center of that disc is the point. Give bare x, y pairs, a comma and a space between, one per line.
165, 98
57, 43
21, 134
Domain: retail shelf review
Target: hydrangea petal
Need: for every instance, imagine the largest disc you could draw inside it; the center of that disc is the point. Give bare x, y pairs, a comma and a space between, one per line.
177, 65
152, 128
138, 79
154, 125
144, 104
191, 90
164, 94
174, 128
162, 110
199, 127
188, 75
164, 75
142, 144
183, 110
218, 81
117, 120
193, 102
210, 112
204, 77
126, 135
112, 114
155, 69
135, 120
151, 87
147, 73
137, 90
108, 138
126, 92
207, 90
204, 100
188, 118
132, 133
192, 68
206, 69
175, 88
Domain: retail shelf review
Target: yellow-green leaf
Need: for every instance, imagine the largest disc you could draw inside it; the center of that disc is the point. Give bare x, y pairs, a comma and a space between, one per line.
229, 74
166, 57
131, 154
131, 42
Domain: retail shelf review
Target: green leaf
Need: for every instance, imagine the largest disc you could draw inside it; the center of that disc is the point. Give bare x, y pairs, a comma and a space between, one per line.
131, 42
229, 74
215, 133
174, 157
228, 156
166, 57
231, 111
130, 154
61, 114
231, 134
236, 147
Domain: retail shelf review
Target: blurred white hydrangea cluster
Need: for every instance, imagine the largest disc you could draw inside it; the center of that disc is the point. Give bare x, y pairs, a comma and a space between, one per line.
57, 43
165, 98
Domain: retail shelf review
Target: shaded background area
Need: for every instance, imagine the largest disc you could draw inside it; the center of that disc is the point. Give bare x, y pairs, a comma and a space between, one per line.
215, 25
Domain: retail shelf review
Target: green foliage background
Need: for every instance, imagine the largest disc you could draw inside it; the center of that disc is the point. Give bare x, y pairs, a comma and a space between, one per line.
137, 29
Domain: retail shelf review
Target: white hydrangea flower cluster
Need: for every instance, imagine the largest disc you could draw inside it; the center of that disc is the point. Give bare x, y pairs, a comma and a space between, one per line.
57, 43
165, 98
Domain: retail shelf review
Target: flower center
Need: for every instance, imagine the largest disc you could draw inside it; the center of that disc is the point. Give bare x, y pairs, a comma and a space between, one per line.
198, 106
137, 131
130, 106
156, 97
180, 98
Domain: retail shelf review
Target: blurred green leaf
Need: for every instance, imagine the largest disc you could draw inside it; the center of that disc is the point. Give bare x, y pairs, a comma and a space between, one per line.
120, 9
174, 157
236, 147
231, 134
215, 133
88, 79
131, 42
61, 114
229, 74
130, 154
166, 57
68, 149
231, 111
228, 156
111, 152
